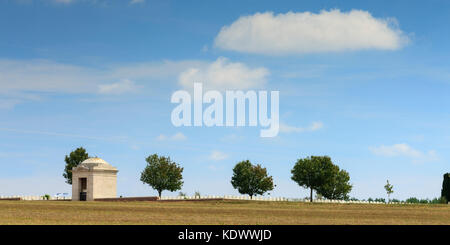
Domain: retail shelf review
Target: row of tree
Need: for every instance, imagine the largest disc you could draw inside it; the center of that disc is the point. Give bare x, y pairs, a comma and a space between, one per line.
317, 173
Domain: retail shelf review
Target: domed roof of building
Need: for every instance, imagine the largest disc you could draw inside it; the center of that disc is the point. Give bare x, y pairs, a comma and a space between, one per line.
96, 163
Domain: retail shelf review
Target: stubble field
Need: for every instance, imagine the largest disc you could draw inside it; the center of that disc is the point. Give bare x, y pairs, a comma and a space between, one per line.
218, 213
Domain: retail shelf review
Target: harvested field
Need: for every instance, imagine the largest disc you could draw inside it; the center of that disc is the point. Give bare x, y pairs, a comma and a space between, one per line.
218, 212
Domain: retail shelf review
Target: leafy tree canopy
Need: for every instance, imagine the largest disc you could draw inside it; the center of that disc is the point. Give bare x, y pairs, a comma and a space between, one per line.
74, 158
251, 179
320, 174
162, 174
338, 186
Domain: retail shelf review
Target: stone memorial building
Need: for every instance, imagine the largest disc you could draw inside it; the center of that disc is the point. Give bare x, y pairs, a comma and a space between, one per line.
94, 178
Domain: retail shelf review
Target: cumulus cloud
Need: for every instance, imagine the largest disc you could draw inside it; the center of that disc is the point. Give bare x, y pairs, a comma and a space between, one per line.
175, 137
284, 128
306, 32
223, 74
403, 150
124, 86
218, 156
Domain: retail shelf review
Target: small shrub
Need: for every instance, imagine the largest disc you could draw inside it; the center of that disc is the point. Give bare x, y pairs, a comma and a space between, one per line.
197, 194
438, 200
182, 194
412, 200
424, 201
380, 200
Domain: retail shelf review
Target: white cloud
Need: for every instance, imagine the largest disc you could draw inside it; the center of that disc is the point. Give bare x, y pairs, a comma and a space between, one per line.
21, 80
218, 156
316, 126
46, 76
137, 1
49, 76
63, 1
68, 135
175, 137
161, 137
178, 136
232, 138
223, 74
124, 86
284, 128
403, 150
154, 70
305, 32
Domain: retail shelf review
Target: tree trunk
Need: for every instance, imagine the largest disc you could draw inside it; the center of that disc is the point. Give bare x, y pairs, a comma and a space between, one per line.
311, 195
251, 197
159, 193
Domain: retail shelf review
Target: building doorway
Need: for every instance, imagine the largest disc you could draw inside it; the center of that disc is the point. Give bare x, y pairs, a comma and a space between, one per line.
83, 189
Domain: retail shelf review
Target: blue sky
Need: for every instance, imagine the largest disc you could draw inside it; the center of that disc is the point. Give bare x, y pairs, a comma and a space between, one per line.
99, 74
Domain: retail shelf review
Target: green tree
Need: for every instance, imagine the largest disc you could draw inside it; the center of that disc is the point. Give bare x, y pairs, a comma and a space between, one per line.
312, 172
162, 174
389, 189
251, 179
74, 158
338, 186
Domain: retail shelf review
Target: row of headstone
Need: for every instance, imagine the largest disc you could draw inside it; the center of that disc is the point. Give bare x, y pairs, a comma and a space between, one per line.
34, 198
273, 199
344, 201
188, 197
256, 198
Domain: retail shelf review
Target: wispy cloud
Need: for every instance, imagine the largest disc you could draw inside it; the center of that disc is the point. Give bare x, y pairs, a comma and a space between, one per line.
314, 126
92, 137
21, 78
217, 156
403, 150
137, 1
63, 1
306, 32
175, 137
232, 138
124, 86
9, 103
